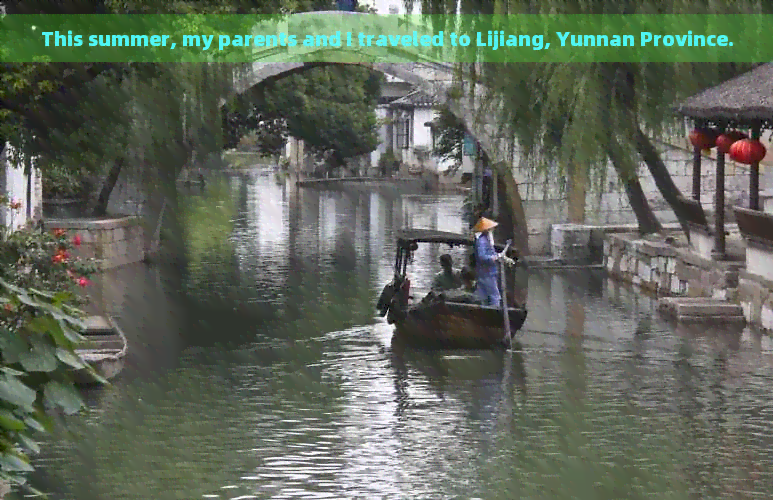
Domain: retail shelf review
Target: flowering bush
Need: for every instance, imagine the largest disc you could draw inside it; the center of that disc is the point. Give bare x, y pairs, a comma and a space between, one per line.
39, 330
44, 261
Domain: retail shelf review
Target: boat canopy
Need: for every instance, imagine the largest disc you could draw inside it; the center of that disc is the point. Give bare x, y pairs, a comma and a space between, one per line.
406, 238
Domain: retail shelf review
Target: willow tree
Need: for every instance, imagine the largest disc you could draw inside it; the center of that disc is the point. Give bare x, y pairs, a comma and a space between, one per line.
582, 116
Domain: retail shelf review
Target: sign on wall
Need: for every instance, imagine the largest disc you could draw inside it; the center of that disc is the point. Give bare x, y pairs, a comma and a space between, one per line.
469, 147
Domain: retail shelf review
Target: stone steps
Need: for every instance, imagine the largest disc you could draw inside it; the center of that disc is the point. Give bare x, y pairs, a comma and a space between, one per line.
701, 309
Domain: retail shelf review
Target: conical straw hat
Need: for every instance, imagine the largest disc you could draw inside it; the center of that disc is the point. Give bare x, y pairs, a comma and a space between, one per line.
483, 225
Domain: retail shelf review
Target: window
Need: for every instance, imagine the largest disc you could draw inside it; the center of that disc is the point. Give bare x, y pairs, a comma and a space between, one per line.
404, 133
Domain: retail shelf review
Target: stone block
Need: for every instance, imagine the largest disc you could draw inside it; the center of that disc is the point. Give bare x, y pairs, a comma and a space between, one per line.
766, 318
746, 306
675, 284
87, 236
119, 234
759, 262
702, 244
708, 307
687, 272
570, 242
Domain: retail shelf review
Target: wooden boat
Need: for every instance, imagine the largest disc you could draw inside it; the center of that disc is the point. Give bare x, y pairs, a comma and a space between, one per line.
104, 350
439, 322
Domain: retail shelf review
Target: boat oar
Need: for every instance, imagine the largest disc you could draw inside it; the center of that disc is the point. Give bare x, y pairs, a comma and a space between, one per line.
503, 293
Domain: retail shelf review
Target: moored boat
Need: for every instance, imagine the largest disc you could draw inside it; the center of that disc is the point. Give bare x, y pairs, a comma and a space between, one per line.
104, 350
436, 321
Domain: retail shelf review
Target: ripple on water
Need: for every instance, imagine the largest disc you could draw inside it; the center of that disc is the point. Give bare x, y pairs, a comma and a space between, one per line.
336, 414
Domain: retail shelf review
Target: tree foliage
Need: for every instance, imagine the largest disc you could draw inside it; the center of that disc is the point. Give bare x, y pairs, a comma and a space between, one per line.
579, 117
332, 108
451, 132
243, 116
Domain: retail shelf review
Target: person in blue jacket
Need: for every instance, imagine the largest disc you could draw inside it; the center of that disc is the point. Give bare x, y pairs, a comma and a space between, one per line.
487, 287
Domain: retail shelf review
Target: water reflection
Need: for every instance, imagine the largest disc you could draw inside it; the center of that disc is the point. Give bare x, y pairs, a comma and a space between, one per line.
281, 384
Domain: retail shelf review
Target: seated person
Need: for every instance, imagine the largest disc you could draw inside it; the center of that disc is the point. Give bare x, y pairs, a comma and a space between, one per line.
446, 279
465, 294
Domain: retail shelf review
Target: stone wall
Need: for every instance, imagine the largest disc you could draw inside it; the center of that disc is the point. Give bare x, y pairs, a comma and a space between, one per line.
543, 190
113, 242
756, 297
668, 269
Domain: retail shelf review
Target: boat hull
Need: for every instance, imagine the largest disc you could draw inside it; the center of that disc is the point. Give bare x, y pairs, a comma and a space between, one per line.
108, 367
451, 325
104, 351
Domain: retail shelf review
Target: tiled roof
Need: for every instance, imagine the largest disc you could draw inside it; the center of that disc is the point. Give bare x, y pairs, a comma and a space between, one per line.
416, 98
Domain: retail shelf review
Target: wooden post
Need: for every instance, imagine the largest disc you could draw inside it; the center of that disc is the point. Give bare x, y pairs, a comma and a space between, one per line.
494, 193
719, 210
696, 175
754, 175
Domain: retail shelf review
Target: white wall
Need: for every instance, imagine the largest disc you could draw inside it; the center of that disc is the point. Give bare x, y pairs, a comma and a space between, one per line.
13, 185
381, 113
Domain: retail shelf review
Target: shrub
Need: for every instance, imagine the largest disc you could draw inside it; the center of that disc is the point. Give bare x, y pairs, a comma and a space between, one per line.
40, 327
62, 182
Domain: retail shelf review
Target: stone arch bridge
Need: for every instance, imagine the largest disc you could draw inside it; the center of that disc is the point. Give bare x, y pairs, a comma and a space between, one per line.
437, 79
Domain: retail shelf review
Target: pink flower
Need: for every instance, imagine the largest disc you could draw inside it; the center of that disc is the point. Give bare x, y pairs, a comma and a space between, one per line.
83, 281
76, 240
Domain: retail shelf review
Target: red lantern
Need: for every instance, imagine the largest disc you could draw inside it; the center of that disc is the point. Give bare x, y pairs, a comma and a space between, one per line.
703, 138
726, 140
747, 151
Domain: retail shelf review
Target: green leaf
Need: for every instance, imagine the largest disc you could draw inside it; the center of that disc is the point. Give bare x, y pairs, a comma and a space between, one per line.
29, 443
42, 324
34, 423
11, 371
12, 346
9, 421
62, 297
15, 392
64, 396
71, 334
14, 463
41, 358
69, 358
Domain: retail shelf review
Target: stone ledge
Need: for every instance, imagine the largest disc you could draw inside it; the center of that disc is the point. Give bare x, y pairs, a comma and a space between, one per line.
112, 242
93, 223
701, 310
756, 297
668, 270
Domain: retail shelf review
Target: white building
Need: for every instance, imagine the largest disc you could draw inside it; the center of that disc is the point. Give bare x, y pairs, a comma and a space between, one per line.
407, 130
406, 116
18, 187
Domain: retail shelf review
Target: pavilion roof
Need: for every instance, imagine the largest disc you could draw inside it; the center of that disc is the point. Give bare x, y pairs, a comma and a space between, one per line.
745, 98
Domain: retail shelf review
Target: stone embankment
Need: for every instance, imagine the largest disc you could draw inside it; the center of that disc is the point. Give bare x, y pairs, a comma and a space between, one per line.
692, 286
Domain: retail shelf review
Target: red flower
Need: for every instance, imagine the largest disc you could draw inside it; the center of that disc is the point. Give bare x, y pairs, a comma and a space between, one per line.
59, 232
61, 256
83, 281
76, 240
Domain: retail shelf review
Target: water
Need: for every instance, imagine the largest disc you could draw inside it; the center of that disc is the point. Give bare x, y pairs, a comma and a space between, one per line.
272, 379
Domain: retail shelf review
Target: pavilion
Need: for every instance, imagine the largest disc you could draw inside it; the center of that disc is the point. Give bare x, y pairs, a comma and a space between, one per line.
744, 103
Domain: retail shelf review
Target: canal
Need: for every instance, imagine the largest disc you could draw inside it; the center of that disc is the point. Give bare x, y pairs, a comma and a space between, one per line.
273, 378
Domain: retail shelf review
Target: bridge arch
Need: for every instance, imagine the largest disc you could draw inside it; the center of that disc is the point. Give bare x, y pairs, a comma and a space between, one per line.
436, 80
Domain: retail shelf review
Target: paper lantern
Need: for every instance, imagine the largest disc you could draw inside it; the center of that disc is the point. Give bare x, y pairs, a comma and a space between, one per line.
727, 139
703, 138
747, 151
